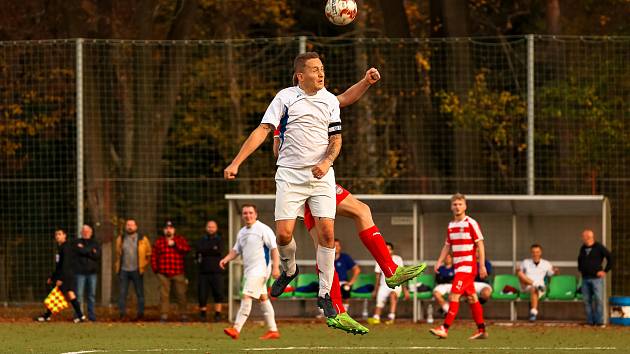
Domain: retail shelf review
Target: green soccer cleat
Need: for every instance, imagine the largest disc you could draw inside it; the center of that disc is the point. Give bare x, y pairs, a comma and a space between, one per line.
344, 322
404, 274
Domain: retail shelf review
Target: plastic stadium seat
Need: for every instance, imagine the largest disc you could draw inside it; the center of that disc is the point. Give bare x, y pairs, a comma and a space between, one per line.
500, 281
365, 282
562, 287
428, 280
525, 296
307, 280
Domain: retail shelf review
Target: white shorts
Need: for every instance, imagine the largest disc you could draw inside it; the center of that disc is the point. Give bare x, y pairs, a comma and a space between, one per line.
479, 286
383, 294
528, 289
255, 287
442, 289
295, 187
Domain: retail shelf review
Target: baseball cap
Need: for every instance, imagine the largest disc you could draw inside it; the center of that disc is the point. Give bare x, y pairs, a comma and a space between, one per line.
169, 224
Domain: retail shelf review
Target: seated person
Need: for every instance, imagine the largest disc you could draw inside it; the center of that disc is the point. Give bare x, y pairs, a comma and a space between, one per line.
443, 279
344, 264
382, 292
482, 286
531, 274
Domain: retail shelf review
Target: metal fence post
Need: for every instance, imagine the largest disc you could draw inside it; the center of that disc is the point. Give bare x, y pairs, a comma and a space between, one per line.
302, 46
531, 189
79, 132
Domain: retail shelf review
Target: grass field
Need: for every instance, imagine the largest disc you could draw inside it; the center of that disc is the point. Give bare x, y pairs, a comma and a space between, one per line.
22, 337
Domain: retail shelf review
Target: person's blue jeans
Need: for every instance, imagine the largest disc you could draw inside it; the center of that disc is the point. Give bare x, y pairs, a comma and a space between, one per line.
87, 282
136, 278
593, 295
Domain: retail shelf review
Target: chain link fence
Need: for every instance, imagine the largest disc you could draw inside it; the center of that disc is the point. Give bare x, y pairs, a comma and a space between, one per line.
160, 120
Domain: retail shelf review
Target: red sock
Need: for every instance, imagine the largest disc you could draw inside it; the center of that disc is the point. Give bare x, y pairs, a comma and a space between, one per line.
374, 242
335, 293
453, 307
477, 313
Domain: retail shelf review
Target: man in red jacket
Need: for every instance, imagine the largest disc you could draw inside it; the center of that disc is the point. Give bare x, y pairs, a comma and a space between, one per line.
167, 261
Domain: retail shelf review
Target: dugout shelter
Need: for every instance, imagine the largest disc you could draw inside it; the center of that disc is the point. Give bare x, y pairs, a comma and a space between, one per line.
416, 225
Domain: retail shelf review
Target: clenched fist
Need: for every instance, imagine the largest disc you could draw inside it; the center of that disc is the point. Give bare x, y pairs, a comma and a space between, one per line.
372, 76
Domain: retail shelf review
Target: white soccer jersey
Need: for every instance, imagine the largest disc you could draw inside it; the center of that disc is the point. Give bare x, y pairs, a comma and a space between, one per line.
254, 244
537, 272
398, 260
305, 123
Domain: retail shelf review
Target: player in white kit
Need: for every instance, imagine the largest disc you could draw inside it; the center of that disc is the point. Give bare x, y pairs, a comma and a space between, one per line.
308, 118
256, 243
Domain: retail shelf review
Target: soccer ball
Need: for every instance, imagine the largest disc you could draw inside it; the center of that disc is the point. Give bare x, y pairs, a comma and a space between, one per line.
341, 12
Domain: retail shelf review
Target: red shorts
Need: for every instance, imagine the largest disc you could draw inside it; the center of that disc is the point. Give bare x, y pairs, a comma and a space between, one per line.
309, 221
463, 284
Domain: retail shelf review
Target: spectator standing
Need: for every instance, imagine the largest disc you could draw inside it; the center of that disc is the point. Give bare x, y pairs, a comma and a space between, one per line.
209, 251
532, 273
133, 255
167, 261
590, 259
344, 264
88, 257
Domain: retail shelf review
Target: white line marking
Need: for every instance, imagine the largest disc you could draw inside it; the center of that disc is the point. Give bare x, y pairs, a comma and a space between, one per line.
137, 350
431, 348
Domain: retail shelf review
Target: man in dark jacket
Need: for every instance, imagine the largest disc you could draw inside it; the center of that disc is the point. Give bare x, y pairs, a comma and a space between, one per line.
88, 256
209, 251
590, 259
64, 276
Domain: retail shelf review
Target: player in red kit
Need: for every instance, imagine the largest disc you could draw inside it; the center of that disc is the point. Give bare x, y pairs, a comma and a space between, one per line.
464, 237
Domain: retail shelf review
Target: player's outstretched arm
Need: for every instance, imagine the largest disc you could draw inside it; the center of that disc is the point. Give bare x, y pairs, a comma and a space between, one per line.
275, 263
255, 139
352, 94
229, 257
443, 253
483, 272
334, 148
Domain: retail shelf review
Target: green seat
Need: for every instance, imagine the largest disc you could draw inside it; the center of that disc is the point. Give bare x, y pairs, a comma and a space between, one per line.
363, 280
500, 281
562, 287
429, 281
306, 279
288, 291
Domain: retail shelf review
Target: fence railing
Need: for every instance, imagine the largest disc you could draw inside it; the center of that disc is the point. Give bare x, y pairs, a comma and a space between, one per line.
98, 131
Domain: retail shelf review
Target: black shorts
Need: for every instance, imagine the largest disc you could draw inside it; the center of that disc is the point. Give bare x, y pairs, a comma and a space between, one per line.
211, 282
68, 283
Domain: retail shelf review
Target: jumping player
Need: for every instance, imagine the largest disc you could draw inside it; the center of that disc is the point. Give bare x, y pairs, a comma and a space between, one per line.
308, 118
256, 243
464, 238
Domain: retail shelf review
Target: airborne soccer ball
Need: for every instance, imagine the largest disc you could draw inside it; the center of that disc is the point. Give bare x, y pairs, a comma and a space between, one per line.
341, 12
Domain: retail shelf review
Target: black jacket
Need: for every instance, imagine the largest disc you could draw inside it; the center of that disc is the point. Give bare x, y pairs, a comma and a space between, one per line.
88, 256
209, 253
591, 258
64, 262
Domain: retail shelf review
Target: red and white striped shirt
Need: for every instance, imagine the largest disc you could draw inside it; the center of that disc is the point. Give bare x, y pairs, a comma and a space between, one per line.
462, 236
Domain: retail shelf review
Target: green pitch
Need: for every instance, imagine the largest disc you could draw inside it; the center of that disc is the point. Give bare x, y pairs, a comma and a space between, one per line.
301, 338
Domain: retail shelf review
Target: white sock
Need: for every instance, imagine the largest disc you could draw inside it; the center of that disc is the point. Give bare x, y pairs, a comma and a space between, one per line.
445, 307
270, 315
533, 312
287, 257
326, 265
378, 317
243, 313
391, 316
